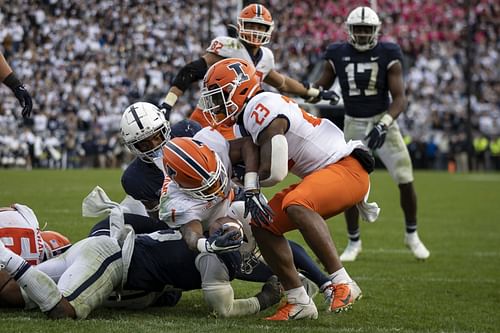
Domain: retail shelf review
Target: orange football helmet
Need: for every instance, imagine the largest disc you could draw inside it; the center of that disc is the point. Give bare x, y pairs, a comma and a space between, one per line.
54, 244
255, 25
195, 168
227, 87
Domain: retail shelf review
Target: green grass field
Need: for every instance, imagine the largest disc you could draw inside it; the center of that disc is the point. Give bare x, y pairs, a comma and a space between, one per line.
456, 290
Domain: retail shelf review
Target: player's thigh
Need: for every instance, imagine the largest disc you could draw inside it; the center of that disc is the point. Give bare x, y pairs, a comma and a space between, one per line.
92, 275
395, 156
356, 128
331, 190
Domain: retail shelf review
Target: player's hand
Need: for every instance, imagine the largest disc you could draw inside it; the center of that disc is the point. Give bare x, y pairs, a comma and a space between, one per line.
224, 241
25, 99
256, 205
165, 108
377, 135
329, 95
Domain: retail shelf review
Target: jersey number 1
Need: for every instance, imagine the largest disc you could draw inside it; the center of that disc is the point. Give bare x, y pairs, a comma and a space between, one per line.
351, 71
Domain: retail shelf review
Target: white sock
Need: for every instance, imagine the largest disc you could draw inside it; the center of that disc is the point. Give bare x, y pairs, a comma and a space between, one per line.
297, 295
40, 288
340, 276
412, 237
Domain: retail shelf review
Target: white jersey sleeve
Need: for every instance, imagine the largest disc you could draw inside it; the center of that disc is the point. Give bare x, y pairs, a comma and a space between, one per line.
229, 47
313, 143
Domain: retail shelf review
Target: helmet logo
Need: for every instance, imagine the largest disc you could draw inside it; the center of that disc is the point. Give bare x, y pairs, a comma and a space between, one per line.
241, 75
133, 109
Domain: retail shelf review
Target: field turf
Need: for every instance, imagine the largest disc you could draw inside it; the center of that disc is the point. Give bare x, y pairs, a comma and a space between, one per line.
456, 290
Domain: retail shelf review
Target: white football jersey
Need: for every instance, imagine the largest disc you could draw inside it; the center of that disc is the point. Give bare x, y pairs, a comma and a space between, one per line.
229, 47
20, 232
313, 143
178, 208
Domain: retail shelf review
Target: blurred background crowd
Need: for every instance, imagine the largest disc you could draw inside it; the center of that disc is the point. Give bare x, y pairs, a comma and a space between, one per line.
85, 61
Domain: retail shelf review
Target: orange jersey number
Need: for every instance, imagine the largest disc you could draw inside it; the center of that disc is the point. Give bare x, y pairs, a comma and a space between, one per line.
260, 113
22, 241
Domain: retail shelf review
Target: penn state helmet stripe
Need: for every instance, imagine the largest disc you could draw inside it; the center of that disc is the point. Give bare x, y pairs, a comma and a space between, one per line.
94, 277
194, 165
362, 14
259, 10
136, 117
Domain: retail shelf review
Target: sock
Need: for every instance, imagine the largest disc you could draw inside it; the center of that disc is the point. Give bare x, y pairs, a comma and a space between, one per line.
354, 235
340, 276
297, 295
327, 292
306, 265
37, 285
411, 226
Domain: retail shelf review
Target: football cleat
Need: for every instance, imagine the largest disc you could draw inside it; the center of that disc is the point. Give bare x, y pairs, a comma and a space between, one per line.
289, 311
413, 242
351, 251
270, 293
343, 296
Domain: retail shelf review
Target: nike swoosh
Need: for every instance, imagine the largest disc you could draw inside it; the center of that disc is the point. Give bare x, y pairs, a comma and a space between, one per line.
295, 315
373, 58
346, 300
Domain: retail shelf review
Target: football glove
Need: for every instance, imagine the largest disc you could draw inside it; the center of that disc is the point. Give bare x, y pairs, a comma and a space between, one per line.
166, 109
221, 241
315, 94
256, 205
21, 94
376, 137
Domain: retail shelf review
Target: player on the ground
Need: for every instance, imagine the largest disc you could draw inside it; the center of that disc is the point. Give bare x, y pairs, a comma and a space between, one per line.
255, 26
9, 78
368, 71
89, 271
315, 150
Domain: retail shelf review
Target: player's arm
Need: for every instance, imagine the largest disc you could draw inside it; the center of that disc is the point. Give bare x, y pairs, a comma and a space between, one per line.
273, 166
191, 72
244, 151
396, 87
327, 77
219, 240
192, 232
9, 78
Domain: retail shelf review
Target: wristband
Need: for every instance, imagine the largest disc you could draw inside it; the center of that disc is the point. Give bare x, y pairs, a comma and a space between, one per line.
12, 81
313, 92
171, 99
386, 120
201, 245
251, 181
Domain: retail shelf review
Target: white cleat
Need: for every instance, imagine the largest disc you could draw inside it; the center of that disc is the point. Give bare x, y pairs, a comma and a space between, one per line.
351, 251
413, 242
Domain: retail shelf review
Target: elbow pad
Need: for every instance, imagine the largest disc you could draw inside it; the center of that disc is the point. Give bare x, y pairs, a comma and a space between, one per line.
194, 71
279, 161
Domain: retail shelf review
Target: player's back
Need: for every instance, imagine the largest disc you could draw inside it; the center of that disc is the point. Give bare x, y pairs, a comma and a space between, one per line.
313, 143
363, 76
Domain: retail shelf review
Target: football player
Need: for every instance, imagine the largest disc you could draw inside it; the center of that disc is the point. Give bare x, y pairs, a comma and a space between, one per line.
368, 71
315, 150
255, 26
9, 78
81, 279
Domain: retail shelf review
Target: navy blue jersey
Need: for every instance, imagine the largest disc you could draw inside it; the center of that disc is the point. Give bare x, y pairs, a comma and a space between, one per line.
363, 76
142, 181
158, 260
140, 224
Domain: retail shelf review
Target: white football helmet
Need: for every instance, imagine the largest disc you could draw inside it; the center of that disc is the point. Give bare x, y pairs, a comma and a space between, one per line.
144, 130
363, 17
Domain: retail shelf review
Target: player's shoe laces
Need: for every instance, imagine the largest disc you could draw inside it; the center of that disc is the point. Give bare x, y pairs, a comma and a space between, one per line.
413, 242
351, 251
311, 288
270, 293
343, 295
289, 311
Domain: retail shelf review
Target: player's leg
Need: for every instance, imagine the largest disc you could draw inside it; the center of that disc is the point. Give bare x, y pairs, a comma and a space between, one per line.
354, 129
39, 287
278, 255
310, 202
219, 294
95, 269
395, 156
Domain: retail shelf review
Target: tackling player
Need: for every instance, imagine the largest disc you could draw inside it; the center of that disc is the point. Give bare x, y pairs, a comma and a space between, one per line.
255, 26
315, 150
368, 71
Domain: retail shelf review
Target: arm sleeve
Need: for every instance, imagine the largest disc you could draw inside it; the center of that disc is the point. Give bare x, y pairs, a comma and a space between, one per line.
194, 71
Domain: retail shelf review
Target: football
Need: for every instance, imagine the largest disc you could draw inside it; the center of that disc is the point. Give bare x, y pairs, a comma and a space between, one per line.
228, 224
